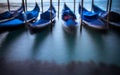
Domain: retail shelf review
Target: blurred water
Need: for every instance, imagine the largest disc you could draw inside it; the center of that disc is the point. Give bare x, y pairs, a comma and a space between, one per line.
60, 46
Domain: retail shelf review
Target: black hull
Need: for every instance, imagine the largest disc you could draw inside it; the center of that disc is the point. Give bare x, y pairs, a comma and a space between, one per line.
94, 29
11, 28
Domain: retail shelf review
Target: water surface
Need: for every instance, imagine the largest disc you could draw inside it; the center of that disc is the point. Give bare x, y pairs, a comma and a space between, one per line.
59, 46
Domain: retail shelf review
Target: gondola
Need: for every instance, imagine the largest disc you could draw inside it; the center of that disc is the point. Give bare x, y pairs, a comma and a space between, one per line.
19, 21
69, 19
114, 18
90, 19
45, 20
10, 14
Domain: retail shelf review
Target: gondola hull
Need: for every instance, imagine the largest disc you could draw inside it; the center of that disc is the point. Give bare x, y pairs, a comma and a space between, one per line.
10, 14
42, 27
44, 21
70, 28
20, 20
69, 19
114, 18
91, 19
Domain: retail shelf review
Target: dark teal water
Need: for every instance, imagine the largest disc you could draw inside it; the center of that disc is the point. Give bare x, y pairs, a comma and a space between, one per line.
59, 46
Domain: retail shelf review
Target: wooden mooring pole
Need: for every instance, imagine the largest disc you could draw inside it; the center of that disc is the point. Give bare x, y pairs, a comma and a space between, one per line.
74, 5
81, 24
107, 7
51, 14
23, 4
110, 6
8, 5
26, 5
58, 8
92, 5
24, 10
42, 5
